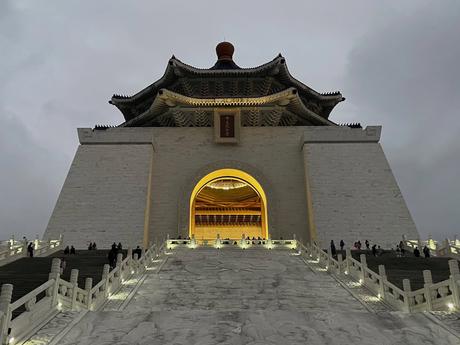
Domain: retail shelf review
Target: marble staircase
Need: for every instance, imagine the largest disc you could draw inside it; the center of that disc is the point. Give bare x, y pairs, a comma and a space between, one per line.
253, 296
26, 274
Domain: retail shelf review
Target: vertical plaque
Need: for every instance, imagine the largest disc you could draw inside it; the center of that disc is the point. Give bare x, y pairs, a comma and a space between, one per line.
227, 123
227, 126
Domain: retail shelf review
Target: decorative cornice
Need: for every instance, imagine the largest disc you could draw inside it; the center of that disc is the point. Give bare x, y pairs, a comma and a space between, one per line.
177, 70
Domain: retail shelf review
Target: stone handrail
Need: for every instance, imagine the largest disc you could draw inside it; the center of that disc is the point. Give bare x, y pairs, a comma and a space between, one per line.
61, 294
444, 295
222, 243
16, 250
449, 248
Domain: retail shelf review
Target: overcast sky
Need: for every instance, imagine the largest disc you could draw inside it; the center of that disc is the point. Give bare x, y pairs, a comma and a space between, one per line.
396, 62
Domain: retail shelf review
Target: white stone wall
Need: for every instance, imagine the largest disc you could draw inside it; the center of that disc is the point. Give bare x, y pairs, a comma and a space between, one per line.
354, 193
353, 190
104, 196
272, 155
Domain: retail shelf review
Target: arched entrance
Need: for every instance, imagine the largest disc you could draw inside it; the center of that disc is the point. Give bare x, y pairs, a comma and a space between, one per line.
228, 202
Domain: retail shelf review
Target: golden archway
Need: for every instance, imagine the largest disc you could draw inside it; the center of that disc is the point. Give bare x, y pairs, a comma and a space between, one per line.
228, 202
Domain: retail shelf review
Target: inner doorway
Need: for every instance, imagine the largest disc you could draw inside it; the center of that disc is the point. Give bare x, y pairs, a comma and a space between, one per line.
229, 203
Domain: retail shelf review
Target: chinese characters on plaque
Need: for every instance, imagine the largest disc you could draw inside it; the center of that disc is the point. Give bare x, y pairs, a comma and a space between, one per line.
227, 126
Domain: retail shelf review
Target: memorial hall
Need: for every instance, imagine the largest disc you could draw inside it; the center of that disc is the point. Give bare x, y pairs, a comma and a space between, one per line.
228, 206
228, 152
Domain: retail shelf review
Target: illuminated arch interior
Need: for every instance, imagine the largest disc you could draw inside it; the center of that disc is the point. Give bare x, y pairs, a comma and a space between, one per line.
228, 202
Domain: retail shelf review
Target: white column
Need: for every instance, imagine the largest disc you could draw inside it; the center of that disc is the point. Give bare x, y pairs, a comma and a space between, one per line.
427, 278
130, 256
88, 287
383, 279
454, 282
348, 259
74, 282
135, 264
363, 267
5, 300
55, 274
340, 260
407, 299
105, 278
119, 263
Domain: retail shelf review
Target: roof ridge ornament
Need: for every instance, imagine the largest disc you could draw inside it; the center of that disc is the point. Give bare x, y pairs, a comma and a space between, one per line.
224, 51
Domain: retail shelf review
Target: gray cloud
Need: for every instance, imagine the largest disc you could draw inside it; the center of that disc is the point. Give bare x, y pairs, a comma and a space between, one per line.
405, 75
28, 191
62, 60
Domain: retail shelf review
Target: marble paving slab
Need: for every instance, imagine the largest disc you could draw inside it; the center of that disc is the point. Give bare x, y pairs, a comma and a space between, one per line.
233, 296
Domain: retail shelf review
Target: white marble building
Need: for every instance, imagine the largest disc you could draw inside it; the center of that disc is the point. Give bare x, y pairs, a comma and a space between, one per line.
229, 151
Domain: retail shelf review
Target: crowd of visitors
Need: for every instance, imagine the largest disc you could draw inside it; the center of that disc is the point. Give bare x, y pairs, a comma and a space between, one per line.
376, 250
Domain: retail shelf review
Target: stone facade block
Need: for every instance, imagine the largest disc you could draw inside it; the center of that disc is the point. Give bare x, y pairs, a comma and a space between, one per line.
355, 195
104, 196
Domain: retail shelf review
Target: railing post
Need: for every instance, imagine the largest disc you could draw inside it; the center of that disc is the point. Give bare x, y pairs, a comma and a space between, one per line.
431, 243
135, 264
329, 261
24, 249
382, 280
105, 278
74, 282
407, 299
130, 256
448, 250
119, 264
427, 278
454, 282
340, 260
347, 260
363, 267
36, 242
55, 274
5, 319
89, 296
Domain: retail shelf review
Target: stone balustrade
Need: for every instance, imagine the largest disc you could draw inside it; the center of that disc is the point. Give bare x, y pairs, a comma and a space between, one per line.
13, 250
242, 243
441, 296
447, 248
66, 295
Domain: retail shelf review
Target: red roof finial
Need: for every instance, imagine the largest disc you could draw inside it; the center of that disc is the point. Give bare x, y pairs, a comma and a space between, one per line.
225, 51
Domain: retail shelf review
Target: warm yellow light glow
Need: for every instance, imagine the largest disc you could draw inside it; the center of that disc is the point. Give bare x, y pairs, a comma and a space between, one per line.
119, 296
450, 306
360, 281
372, 299
234, 174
